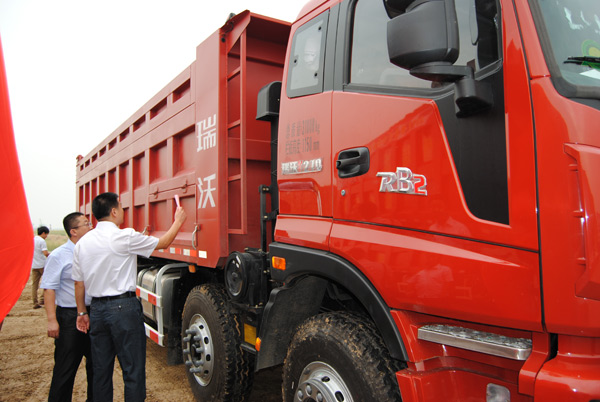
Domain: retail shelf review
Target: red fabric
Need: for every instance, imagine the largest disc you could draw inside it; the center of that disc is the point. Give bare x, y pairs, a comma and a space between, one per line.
16, 235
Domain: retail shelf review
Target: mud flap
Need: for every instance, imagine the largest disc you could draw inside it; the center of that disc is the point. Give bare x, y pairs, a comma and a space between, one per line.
287, 308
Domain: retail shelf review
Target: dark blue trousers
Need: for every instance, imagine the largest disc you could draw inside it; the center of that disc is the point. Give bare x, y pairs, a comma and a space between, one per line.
117, 329
69, 348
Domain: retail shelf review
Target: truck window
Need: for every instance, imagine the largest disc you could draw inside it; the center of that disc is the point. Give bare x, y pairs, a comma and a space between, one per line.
305, 70
370, 64
570, 32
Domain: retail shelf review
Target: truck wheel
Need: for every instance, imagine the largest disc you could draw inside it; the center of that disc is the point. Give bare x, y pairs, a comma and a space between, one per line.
217, 367
337, 357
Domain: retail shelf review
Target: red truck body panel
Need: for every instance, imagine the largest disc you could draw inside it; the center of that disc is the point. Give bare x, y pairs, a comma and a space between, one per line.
568, 152
197, 138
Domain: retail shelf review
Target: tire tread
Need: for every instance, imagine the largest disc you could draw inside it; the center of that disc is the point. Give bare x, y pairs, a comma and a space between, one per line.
238, 367
356, 335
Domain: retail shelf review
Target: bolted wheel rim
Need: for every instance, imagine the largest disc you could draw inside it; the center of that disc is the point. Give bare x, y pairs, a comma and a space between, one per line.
320, 382
198, 351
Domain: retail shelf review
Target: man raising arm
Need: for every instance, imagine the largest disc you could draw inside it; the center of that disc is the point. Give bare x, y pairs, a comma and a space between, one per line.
163, 242
105, 268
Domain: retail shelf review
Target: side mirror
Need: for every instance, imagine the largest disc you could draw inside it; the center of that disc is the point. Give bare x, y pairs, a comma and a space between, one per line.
425, 33
422, 37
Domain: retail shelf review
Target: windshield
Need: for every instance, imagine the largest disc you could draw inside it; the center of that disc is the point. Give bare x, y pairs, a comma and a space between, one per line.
571, 41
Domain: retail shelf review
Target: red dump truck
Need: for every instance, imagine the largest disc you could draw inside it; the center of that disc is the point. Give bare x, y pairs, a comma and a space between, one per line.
395, 199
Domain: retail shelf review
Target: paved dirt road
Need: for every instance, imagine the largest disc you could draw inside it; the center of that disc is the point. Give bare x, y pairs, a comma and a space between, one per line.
26, 362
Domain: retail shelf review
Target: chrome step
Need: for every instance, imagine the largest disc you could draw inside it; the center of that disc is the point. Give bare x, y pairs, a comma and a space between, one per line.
477, 341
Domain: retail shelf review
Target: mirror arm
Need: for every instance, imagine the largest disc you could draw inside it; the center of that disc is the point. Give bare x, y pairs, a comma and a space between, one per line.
470, 96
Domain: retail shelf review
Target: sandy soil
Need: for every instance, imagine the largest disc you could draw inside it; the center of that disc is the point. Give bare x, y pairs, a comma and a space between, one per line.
26, 362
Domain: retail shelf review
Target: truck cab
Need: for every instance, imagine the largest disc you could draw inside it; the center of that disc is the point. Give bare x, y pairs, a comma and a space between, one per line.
459, 181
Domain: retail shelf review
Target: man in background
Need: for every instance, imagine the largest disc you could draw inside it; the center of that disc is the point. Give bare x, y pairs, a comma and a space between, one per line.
70, 345
105, 267
40, 252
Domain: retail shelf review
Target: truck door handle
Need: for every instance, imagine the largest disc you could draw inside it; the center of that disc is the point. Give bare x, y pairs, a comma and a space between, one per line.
352, 162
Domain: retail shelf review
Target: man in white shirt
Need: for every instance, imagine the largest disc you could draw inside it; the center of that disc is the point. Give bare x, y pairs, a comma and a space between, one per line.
40, 252
105, 268
70, 345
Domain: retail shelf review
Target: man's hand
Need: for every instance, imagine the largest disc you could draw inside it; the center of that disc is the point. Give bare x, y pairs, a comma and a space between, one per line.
53, 328
165, 240
83, 323
50, 306
180, 215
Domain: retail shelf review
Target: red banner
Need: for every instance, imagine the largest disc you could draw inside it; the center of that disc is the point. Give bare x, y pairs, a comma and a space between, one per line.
16, 233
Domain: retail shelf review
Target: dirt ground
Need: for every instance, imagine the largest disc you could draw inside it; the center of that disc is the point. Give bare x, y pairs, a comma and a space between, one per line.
26, 362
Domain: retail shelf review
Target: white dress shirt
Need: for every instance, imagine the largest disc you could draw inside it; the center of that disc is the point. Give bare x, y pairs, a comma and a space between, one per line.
39, 259
105, 259
57, 276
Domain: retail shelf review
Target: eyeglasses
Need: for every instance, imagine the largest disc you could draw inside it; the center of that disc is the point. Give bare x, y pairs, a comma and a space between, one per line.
80, 226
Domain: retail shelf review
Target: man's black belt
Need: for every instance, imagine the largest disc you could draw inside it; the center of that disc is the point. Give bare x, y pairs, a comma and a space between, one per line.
121, 296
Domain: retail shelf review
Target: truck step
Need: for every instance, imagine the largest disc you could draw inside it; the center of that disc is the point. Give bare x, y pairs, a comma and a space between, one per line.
477, 341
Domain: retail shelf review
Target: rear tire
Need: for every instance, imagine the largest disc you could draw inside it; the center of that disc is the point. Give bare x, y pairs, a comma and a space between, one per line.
338, 357
216, 366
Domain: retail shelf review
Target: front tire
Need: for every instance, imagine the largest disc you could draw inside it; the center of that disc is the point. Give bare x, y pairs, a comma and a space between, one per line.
338, 357
217, 367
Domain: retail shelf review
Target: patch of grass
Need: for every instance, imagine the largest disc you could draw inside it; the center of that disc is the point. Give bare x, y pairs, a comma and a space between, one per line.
55, 239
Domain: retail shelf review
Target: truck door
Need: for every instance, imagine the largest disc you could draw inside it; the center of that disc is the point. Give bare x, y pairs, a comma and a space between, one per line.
305, 123
418, 180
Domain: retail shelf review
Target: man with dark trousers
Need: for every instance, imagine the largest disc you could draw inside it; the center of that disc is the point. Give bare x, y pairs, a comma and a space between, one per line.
105, 268
70, 345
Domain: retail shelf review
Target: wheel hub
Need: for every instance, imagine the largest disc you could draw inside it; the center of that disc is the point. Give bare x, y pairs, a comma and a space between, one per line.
320, 382
198, 350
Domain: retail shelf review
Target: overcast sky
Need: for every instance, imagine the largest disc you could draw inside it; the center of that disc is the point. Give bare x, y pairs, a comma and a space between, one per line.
77, 69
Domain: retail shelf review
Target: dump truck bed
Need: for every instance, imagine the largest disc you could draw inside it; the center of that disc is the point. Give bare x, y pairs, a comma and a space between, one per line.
197, 139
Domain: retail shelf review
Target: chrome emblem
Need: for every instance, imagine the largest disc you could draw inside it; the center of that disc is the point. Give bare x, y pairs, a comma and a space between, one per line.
402, 181
300, 167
